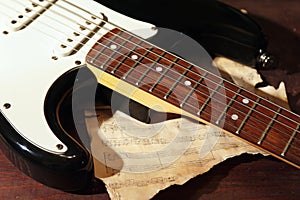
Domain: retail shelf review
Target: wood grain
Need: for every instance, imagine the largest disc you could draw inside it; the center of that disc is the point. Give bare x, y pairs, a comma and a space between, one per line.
264, 125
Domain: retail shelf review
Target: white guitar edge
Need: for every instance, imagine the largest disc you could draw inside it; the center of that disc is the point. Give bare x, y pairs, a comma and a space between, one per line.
32, 59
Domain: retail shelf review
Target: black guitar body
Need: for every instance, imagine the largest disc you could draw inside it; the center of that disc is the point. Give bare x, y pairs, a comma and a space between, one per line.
221, 29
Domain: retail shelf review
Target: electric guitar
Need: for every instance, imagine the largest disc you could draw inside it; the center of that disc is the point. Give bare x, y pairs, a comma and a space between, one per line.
44, 41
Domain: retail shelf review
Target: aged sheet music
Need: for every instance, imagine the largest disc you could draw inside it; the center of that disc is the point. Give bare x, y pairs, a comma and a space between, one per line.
136, 160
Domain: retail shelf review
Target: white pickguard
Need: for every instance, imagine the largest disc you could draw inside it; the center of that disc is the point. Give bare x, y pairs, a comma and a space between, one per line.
33, 56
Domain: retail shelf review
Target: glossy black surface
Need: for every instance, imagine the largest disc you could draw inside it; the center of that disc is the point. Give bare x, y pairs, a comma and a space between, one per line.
221, 29
71, 171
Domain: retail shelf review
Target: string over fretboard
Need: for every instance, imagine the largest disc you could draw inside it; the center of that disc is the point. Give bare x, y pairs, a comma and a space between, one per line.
201, 93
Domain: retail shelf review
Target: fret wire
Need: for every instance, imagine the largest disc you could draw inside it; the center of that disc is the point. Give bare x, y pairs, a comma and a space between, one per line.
122, 60
242, 96
209, 98
110, 23
162, 76
126, 31
248, 115
269, 145
238, 102
264, 106
228, 105
250, 93
150, 67
141, 57
109, 57
106, 61
100, 52
268, 127
253, 126
290, 140
178, 81
253, 142
284, 116
267, 142
192, 90
136, 64
119, 65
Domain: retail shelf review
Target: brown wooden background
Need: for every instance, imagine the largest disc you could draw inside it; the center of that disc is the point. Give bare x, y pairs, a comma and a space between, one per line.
243, 177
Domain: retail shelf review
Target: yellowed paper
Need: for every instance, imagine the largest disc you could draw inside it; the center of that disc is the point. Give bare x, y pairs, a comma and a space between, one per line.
137, 160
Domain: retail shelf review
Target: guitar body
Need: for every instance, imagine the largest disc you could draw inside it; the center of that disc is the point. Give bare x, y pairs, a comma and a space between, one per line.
41, 50
213, 24
32, 59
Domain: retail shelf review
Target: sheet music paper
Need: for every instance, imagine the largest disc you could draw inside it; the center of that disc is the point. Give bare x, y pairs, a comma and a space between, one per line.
136, 160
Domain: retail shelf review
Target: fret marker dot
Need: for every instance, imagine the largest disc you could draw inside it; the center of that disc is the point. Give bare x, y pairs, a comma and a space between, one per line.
245, 101
159, 69
134, 57
187, 83
113, 46
234, 117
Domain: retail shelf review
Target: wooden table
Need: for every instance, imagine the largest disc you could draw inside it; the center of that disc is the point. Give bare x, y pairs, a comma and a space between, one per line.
243, 177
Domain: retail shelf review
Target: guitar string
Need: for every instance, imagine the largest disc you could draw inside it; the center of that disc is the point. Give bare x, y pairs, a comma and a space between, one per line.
159, 55
176, 56
236, 127
245, 113
264, 106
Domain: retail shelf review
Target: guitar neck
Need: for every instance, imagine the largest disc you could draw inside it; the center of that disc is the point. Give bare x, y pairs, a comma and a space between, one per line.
151, 76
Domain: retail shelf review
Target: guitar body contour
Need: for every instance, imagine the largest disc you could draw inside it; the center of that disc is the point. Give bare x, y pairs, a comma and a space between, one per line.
32, 60
42, 45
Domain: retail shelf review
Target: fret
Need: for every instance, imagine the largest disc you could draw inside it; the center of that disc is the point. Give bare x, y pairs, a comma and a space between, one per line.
137, 62
290, 140
248, 115
155, 61
233, 111
264, 134
99, 57
105, 50
193, 90
182, 76
101, 44
120, 62
162, 75
136, 52
170, 79
281, 131
258, 120
120, 65
126, 49
159, 80
209, 98
124, 57
228, 106
96, 57
293, 152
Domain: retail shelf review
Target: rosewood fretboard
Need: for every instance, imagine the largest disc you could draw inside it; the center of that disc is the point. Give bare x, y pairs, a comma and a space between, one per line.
199, 92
